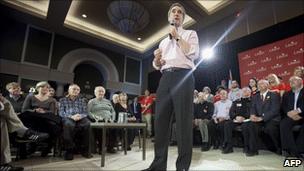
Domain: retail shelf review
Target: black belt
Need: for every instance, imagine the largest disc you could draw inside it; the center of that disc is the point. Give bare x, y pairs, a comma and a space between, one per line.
175, 69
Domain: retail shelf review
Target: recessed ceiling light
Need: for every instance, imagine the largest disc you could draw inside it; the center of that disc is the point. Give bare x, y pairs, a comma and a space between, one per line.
138, 38
84, 16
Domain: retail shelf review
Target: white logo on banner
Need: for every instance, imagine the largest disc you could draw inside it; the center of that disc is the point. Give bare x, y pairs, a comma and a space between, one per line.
276, 66
294, 62
252, 63
290, 44
275, 48
261, 69
259, 53
247, 73
246, 57
301, 50
266, 60
283, 74
283, 55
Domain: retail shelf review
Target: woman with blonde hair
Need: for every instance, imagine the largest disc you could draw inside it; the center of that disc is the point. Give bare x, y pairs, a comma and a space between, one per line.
38, 112
275, 85
123, 107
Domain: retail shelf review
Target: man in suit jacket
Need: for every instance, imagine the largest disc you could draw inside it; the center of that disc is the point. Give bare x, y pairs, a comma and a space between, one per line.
264, 115
239, 113
293, 109
135, 109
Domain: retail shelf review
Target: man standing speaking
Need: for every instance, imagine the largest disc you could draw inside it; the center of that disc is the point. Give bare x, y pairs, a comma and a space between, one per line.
174, 96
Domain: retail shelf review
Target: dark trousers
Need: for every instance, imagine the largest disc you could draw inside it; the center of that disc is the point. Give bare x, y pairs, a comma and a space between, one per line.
47, 122
216, 131
229, 126
80, 128
251, 131
289, 142
174, 96
111, 135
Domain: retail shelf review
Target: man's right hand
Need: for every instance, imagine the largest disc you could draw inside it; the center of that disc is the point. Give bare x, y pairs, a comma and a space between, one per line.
158, 58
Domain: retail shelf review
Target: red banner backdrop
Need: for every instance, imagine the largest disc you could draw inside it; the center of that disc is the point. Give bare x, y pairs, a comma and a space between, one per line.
280, 58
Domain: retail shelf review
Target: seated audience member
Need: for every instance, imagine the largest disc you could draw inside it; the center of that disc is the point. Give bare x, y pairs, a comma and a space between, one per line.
38, 112
11, 123
207, 92
217, 96
203, 112
264, 113
275, 84
239, 113
299, 71
73, 110
51, 93
122, 107
219, 118
115, 100
135, 109
293, 108
15, 96
195, 96
253, 85
235, 92
102, 110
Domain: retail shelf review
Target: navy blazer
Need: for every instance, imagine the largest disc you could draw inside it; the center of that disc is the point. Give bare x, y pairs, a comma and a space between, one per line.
269, 109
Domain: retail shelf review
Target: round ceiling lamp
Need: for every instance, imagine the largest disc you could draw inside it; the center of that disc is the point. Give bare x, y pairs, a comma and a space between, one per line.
128, 16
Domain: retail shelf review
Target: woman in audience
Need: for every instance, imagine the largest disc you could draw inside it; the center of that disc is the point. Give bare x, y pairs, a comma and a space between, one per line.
38, 112
207, 93
275, 84
122, 106
102, 110
253, 85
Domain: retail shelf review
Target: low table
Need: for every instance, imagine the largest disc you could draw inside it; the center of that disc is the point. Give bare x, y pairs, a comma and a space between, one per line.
105, 126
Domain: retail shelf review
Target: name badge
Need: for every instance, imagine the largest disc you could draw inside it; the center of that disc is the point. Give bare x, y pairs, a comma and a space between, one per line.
239, 104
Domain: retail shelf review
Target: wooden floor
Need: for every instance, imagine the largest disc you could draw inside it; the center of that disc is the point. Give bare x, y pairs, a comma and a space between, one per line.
211, 160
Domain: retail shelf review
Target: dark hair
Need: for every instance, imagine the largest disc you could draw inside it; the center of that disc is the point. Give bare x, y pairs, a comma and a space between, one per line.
255, 80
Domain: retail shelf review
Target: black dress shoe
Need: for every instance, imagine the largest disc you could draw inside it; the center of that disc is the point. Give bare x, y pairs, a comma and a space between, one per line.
68, 155
8, 167
111, 150
227, 150
87, 155
205, 147
250, 154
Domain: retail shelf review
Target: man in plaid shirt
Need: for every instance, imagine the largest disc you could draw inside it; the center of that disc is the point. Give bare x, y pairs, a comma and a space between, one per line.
73, 111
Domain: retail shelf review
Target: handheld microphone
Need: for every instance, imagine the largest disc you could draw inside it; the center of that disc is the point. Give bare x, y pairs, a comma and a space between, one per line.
172, 23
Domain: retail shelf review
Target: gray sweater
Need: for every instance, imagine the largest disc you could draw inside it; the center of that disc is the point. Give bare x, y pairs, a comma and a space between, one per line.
101, 109
31, 103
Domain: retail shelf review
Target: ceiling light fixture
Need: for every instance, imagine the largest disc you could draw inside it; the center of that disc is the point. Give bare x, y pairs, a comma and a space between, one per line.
128, 16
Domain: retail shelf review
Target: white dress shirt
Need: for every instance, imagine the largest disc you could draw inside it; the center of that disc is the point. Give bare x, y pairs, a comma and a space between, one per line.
222, 108
173, 54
